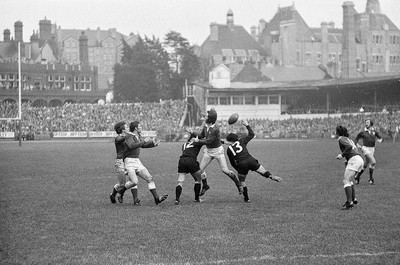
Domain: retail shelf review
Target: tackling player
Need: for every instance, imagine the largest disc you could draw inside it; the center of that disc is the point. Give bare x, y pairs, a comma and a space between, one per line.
211, 137
369, 136
242, 161
353, 164
133, 165
120, 128
188, 164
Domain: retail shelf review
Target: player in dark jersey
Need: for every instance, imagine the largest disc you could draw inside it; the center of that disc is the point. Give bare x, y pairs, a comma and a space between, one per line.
134, 142
369, 136
211, 137
242, 161
354, 163
188, 164
120, 128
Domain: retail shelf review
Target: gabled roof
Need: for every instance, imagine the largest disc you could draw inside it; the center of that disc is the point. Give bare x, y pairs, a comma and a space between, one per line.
94, 36
289, 14
221, 66
378, 22
230, 37
42, 48
250, 74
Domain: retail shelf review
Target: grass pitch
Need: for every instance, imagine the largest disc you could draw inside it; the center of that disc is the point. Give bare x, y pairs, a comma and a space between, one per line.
55, 208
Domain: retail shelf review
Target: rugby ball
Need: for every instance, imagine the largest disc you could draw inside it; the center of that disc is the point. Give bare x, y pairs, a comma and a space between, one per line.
233, 118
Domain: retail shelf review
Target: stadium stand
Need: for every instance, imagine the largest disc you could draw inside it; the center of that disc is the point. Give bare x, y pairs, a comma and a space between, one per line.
166, 117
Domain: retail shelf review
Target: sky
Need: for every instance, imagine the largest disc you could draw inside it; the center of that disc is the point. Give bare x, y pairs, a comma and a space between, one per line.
191, 18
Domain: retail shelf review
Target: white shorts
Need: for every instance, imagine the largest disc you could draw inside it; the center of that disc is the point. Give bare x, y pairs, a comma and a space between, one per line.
368, 150
214, 152
355, 163
119, 165
133, 164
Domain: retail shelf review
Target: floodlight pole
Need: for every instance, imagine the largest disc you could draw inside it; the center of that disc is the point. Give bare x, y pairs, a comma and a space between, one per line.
19, 94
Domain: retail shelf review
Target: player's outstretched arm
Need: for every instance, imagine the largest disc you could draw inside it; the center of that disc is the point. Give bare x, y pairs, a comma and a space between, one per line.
276, 178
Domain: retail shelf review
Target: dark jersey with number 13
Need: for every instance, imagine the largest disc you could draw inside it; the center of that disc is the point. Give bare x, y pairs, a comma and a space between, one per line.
237, 151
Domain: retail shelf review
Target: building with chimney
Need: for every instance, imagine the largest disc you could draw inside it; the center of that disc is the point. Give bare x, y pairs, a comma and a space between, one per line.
230, 44
46, 79
103, 50
367, 45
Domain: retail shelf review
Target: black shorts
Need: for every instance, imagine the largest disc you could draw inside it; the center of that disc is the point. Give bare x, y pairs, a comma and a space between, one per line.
188, 165
249, 163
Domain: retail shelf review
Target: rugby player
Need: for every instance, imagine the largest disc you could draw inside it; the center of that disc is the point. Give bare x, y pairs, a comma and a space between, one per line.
354, 163
242, 161
211, 137
120, 128
369, 136
133, 165
188, 164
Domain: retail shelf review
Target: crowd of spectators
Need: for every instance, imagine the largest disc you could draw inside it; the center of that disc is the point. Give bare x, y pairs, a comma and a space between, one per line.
384, 122
165, 117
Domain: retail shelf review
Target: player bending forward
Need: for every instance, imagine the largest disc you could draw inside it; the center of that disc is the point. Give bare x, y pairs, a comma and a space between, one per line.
188, 164
354, 163
133, 165
242, 161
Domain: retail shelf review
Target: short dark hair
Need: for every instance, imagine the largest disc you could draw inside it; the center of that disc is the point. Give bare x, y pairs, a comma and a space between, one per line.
232, 137
342, 131
119, 126
370, 122
212, 116
133, 125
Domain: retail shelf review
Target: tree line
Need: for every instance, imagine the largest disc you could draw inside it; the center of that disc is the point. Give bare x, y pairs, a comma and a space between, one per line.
151, 69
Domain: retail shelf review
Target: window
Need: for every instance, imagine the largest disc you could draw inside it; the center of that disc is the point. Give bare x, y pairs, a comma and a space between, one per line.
2, 77
332, 57
262, 100
274, 99
308, 58
284, 100
255, 55
11, 77
76, 78
237, 100
249, 100
319, 58
224, 100
50, 78
212, 100
377, 39
358, 61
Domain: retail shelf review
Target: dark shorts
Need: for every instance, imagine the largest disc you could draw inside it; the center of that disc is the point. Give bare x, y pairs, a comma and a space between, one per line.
246, 165
188, 165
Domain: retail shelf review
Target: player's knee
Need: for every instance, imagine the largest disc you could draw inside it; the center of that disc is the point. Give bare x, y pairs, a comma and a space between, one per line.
130, 184
151, 185
346, 183
203, 175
